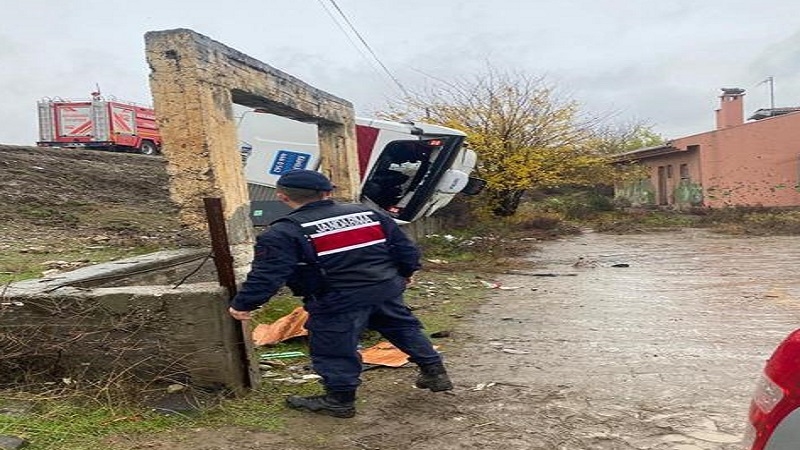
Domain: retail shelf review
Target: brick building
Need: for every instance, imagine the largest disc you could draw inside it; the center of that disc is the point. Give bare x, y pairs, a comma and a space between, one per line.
740, 163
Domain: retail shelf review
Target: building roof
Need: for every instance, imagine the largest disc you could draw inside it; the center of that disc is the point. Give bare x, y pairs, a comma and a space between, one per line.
647, 152
764, 113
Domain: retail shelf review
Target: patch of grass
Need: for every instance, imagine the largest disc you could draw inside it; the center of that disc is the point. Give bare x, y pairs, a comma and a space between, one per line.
640, 221
577, 205
60, 424
78, 424
752, 221
733, 220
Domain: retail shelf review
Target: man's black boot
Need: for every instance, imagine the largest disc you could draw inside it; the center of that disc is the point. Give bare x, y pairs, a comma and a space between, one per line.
434, 377
336, 404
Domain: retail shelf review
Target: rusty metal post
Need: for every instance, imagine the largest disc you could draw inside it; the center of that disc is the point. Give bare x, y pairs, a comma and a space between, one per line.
223, 260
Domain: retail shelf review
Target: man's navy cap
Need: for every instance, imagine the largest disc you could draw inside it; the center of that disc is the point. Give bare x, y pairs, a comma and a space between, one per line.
305, 179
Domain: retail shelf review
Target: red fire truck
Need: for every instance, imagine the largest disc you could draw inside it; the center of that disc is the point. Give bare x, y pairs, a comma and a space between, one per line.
98, 123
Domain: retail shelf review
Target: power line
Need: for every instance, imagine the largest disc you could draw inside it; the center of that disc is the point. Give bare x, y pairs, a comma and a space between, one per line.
435, 78
349, 38
369, 48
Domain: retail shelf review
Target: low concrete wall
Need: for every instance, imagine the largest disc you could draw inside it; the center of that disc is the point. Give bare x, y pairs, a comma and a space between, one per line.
423, 227
66, 327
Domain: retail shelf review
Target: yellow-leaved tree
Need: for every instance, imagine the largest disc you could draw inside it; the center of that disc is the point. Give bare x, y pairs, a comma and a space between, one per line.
525, 134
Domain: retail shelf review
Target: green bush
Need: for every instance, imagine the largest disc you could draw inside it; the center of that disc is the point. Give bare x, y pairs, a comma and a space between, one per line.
575, 205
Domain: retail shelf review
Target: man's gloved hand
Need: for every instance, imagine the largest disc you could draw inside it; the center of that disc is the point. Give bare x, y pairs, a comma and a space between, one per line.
240, 315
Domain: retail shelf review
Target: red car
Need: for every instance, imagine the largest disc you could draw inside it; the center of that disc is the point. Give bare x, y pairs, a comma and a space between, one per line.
775, 409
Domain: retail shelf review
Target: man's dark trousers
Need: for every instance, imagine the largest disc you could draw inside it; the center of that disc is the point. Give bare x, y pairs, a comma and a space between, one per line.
334, 336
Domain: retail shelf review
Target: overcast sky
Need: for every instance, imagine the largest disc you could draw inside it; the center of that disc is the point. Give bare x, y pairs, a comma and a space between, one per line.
658, 61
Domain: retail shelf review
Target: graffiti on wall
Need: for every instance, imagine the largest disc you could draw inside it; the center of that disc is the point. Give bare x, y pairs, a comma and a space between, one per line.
644, 193
637, 193
688, 194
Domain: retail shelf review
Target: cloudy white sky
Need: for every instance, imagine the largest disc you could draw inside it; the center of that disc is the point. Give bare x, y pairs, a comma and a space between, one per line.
658, 61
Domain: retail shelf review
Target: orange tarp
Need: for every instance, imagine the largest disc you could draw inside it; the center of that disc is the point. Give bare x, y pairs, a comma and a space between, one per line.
292, 325
383, 354
287, 327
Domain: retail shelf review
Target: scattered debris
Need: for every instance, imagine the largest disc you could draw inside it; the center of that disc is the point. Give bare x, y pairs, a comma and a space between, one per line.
281, 355
289, 326
12, 442
489, 285
496, 285
440, 334
540, 274
621, 265
482, 386
175, 388
384, 354
485, 424
437, 261
14, 303
299, 379
513, 351
34, 250
584, 263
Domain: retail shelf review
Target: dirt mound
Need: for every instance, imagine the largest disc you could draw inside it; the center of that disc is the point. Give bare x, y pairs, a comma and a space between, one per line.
82, 206
56, 176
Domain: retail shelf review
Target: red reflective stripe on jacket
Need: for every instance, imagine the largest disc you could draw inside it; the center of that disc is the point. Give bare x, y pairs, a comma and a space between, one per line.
348, 238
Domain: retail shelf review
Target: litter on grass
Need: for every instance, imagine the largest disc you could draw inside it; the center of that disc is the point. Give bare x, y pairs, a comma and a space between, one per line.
281, 355
289, 326
496, 285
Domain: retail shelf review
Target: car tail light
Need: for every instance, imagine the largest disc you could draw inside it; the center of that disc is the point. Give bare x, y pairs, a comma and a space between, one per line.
767, 395
777, 392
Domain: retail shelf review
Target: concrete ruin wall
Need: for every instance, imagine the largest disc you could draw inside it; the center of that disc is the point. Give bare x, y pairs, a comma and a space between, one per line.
195, 81
66, 326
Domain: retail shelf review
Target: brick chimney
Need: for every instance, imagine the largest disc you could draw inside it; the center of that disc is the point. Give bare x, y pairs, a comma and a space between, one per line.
731, 108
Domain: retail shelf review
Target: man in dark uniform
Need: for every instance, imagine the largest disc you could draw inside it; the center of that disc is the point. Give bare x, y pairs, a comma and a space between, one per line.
351, 265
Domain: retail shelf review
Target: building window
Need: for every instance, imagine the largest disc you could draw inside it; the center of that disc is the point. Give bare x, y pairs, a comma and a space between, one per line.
669, 171
684, 168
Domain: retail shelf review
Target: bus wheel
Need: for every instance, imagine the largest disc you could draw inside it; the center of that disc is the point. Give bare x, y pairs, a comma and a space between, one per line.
148, 148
